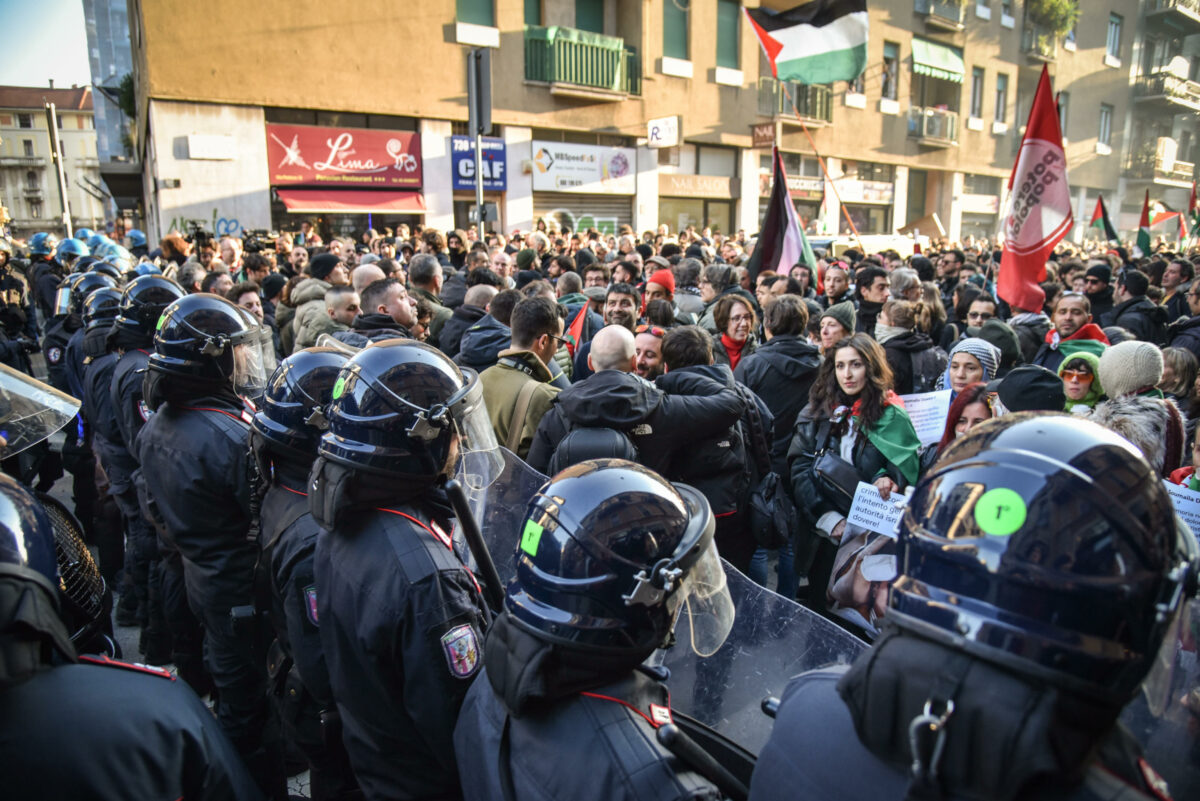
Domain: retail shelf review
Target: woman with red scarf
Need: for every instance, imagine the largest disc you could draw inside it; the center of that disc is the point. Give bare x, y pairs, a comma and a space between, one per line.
737, 322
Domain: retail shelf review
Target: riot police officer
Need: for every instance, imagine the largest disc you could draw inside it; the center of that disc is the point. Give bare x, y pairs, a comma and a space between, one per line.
41, 261
209, 355
89, 727
18, 321
1040, 569
283, 440
47, 277
609, 556
401, 615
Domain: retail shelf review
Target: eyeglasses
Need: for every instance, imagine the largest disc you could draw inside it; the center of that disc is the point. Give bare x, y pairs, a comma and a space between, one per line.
979, 316
1091, 280
652, 330
740, 318
1078, 375
560, 340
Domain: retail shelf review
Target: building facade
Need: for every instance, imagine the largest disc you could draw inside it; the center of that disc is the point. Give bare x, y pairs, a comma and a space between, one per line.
355, 115
28, 179
110, 60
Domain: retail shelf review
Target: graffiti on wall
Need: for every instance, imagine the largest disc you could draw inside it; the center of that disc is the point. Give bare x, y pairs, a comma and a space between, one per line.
215, 224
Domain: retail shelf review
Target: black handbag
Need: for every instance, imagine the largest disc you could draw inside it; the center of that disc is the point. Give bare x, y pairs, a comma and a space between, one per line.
836, 478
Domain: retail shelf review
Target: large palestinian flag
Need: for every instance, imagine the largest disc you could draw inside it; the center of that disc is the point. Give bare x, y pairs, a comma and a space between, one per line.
781, 243
819, 42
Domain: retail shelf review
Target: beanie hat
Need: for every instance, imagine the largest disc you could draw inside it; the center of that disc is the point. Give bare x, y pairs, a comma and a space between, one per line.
1004, 338
1031, 388
583, 258
524, 277
663, 278
987, 354
694, 251
273, 284
1130, 367
525, 258
844, 313
322, 265
1101, 272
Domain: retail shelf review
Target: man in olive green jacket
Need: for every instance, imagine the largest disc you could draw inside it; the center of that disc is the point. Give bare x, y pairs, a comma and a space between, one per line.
425, 280
517, 389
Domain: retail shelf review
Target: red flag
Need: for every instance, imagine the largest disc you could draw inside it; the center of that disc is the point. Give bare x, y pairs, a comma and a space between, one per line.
1039, 204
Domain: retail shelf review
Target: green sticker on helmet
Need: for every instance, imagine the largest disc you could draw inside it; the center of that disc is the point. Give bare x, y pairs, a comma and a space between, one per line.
339, 387
162, 318
530, 537
1000, 512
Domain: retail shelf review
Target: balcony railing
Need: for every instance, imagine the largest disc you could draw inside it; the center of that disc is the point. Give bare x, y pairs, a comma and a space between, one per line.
1039, 43
1170, 88
565, 57
1152, 167
814, 103
933, 126
1179, 15
941, 14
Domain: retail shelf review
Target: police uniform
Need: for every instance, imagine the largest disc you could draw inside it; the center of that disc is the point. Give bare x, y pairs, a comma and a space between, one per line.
402, 623
17, 318
109, 730
59, 331
47, 275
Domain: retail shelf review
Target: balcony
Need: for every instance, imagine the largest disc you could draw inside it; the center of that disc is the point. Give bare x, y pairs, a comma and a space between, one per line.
1166, 88
813, 103
22, 161
941, 14
1156, 169
1038, 43
32, 192
581, 64
1179, 16
933, 127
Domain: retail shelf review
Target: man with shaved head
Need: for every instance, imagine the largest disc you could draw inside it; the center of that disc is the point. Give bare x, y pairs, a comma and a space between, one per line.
616, 401
364, 275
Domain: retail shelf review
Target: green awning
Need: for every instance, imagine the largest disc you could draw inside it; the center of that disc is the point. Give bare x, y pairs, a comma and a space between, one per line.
937, 61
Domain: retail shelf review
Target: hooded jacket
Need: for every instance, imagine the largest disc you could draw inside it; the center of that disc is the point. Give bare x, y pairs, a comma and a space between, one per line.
901, 354
308, 297
1095, 391
1185, 333
450, 338
1140, 316
481, 344
657, 424
368, 328
781, 372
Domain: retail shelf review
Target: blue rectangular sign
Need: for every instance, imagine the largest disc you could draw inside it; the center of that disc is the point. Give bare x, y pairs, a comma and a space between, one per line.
495, 168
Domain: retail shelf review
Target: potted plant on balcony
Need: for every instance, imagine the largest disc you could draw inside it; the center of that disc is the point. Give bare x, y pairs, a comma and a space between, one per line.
1055, 18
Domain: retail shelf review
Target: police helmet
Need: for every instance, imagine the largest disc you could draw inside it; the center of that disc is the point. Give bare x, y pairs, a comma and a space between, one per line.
95, 240
144, 301
106, 268
1045, 544
101, 307
609, 557
42, 244
137, 239
146, 268
86, 285
396, 408
205, 336
26, 536
291, 413
69, 250
84, 234
112, 252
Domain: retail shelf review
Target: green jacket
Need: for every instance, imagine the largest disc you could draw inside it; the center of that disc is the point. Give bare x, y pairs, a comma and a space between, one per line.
440, 313
502, 385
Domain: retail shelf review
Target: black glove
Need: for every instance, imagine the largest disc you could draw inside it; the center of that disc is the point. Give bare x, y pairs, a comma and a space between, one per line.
29, 345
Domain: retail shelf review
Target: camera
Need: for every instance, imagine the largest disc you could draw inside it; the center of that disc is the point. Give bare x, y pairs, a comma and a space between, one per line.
256, 240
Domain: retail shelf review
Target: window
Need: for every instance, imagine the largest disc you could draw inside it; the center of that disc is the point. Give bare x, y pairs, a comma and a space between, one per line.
675, 29
1114, 35
27, 145
1001, 98
476, 12
977, 93
1064, 103
981, 184
589, 15
59, 117
891, 70
869, 171
35, 209
1006, 7
25, 120
856, 87
1106, 115
729, 15
533, 12
31, 180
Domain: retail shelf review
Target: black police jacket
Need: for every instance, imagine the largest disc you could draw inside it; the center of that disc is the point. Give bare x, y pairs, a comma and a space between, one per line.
47, 275
658, 424
402, 624
17, 315
73, 364
54, 346
102, 731
127, 397
781, 372
195, 462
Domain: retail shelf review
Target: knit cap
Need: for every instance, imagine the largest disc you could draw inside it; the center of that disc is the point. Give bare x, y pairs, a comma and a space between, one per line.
663, 278
1130, 367
844, 313
322, 265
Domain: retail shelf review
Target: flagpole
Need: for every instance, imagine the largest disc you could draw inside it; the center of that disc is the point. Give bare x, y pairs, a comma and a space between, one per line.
829, 180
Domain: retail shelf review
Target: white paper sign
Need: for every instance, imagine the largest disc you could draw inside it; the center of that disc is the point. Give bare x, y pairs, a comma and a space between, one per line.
928, 411
870, 511
1187, 505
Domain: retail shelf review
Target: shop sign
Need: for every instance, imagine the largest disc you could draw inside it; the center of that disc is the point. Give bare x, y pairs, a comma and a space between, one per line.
584, 169
495, 169
855, 191
799, 188
710, 186
762, 134
980, 204
662, 132
309, 154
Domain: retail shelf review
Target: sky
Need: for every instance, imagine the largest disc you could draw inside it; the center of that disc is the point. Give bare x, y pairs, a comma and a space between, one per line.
44, 39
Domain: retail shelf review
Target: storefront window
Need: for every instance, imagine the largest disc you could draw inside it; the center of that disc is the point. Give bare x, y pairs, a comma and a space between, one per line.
868, 219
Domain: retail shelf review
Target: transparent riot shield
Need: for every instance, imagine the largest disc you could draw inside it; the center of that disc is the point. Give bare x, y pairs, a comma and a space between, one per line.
498, 487
30, 411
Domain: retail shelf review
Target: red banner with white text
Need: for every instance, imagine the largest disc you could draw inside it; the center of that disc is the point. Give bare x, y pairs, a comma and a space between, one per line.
358, 157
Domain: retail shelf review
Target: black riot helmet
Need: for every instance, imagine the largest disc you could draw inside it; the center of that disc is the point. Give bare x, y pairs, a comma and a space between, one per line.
101, 307
396, 409
85, 285
291, 413
206, 337
111, 270
85, 603
143, 302
610, 555
1045, 544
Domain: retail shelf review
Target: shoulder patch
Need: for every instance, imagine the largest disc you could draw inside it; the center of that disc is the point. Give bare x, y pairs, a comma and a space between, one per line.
137, 667
54, 354
144, 410
660, 715
310, 603
461, 646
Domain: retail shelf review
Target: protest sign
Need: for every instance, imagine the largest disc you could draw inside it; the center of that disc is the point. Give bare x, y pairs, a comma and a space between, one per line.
928, 411
1187, 505
870, 511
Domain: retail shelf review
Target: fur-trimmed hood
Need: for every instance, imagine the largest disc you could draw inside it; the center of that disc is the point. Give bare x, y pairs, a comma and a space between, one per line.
1147, 422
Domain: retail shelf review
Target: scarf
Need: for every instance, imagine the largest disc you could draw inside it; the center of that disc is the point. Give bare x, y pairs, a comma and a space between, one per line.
1089, 338
885, 332
893, 435
1095, 392
734, 349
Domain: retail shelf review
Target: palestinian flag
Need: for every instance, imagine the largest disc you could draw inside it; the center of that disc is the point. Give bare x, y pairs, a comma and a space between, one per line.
781, 242
1193, 212
1100, 220
1164, 216
1143, 235
819, 42
574, 332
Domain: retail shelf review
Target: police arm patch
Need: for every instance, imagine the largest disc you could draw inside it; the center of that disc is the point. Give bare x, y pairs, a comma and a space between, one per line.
461, 647
310, 603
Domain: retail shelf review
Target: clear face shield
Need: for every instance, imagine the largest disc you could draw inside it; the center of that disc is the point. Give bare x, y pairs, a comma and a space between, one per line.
62, 300
30, 411
480, 462
253, 362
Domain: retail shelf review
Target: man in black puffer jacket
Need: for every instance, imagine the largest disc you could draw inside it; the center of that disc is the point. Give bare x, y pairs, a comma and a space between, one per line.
474, 308
1135, 312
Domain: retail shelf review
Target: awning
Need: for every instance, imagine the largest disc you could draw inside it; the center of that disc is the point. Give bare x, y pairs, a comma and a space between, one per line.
937, 61
351, 201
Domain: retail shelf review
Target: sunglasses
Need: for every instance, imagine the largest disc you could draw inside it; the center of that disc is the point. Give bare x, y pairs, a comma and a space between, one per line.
1078, 375
652, 330
1092, 281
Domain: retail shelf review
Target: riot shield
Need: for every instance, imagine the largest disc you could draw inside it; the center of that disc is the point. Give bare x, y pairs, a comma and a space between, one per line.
30, 411
498, 487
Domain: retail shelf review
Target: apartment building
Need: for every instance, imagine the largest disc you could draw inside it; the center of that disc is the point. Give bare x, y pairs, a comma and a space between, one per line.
355, 114
28, 179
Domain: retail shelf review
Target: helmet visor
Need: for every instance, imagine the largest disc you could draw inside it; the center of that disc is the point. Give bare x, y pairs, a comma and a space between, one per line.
479, 455
30, 411
62, 301
707, 609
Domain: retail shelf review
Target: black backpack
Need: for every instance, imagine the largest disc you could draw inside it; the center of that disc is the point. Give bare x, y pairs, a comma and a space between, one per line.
927, 367
581, 444
770, 512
